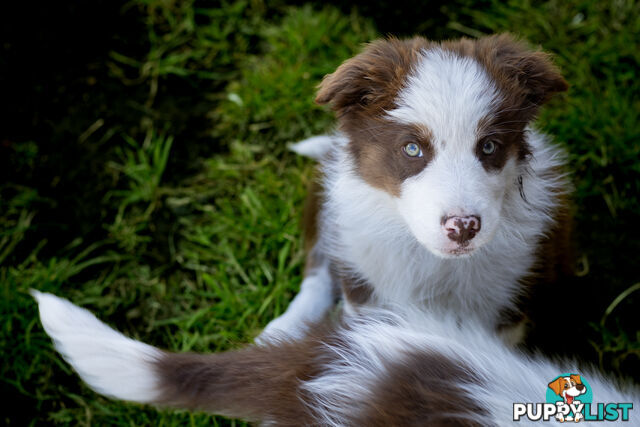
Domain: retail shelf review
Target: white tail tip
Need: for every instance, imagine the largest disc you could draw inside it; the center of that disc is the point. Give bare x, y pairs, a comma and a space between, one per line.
107, 361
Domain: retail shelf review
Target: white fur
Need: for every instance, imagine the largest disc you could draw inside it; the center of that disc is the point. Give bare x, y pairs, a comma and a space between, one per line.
450, 95
377, 338
106, 360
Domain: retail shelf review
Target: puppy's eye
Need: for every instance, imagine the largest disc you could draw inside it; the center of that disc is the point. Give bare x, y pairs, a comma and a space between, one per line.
566, 385
488, 147
412, 150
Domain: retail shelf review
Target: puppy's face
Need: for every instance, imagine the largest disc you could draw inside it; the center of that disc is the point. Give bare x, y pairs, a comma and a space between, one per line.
441, 127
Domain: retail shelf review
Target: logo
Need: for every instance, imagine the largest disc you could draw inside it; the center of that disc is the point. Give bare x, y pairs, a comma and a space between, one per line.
570, 398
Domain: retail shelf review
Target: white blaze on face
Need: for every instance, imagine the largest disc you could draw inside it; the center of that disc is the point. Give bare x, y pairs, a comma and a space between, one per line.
450, 95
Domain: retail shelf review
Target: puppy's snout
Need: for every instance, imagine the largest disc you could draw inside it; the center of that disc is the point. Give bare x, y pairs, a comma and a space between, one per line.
580, 387
461, 229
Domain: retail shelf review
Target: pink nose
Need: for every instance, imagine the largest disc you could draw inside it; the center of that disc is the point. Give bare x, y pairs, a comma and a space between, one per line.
461, 229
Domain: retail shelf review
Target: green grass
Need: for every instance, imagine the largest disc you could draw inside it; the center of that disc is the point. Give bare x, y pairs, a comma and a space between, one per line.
178, 221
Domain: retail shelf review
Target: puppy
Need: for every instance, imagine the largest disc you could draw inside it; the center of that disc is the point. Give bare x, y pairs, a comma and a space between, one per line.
375, 367
437, 192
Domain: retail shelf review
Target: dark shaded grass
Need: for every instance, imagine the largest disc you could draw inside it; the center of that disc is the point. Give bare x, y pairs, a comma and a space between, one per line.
145, 175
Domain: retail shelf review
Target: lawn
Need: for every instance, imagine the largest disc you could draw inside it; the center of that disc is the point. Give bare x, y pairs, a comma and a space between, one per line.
145, 175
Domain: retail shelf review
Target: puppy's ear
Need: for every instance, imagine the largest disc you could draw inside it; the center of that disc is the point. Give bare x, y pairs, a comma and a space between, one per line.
576, 378
370, 80
521, 69
556, 385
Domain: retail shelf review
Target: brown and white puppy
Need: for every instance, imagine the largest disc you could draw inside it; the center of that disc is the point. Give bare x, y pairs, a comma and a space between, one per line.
437, 192
373, 368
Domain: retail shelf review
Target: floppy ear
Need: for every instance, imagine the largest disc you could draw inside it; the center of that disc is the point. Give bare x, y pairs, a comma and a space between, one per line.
556, 385
576, 378
371, 79
527, 71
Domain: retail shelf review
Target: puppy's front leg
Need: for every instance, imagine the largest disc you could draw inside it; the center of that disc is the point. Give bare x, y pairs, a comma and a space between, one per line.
315, 299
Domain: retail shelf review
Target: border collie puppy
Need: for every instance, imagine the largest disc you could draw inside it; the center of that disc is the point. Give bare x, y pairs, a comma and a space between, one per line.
436, 193
373, 368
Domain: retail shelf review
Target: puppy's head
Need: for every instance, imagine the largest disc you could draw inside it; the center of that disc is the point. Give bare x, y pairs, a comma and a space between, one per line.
440, 127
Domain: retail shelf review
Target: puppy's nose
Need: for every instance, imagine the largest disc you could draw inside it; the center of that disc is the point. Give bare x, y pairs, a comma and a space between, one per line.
580, 387
461, 229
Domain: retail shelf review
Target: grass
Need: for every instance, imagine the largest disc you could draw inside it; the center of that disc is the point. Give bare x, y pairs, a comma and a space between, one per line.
170, 206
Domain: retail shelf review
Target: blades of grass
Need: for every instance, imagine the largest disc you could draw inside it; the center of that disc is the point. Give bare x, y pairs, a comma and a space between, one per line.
624, 294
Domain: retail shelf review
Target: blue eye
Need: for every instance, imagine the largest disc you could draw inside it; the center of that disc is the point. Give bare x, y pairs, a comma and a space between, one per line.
412, 150
489, 147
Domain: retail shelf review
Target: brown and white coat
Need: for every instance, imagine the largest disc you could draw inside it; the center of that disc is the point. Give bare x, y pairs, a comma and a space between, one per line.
374, 368
467, 219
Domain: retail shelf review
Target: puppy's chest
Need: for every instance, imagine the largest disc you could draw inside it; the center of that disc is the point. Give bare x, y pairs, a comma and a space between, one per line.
479, 287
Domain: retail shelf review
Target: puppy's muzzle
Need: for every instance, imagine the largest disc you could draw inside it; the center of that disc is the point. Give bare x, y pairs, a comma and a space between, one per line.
461, 229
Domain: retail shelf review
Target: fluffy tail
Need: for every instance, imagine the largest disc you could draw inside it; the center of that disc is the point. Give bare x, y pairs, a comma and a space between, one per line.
256, 383
317, 147
376, 369
107, 361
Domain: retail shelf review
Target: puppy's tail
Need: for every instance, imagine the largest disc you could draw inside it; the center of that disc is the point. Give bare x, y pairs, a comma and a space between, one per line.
255, 383
317, 147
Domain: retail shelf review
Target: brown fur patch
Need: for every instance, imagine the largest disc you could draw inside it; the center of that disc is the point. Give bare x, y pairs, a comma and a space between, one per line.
368, 82
555, 257
554, 263
356, 290
312, 206
360, 91
257, 383
378, 145
525, 78
423, 389
508, 139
